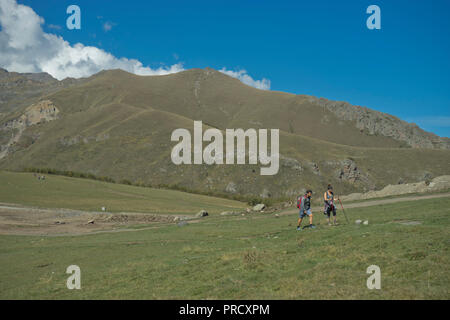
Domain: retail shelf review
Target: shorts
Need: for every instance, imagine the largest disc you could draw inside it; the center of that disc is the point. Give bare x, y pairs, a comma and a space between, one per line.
302, 214
330, 209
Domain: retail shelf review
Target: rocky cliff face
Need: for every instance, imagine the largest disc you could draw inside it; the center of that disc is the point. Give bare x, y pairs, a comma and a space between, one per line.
22, 89
379, 123
40, 112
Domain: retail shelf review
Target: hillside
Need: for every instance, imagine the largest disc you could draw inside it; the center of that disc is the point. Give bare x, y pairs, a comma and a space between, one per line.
118, 125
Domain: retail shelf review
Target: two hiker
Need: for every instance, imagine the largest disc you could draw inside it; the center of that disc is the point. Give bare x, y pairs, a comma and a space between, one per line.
304, 204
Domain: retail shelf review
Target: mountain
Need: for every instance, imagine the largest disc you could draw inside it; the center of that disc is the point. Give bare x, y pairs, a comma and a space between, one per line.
21, 89
117, 124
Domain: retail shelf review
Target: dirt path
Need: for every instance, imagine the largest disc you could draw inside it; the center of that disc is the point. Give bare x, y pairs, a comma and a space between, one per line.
20, 220
369, 203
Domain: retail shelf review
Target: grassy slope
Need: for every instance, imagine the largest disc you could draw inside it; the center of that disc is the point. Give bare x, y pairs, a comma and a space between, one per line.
138, 148
257, 257
218, 100
84, 194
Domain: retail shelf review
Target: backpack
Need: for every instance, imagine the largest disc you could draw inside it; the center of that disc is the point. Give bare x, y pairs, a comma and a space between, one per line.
299, 201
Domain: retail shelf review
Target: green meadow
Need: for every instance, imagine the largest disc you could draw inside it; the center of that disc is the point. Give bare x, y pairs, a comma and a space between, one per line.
257, 256
90, 195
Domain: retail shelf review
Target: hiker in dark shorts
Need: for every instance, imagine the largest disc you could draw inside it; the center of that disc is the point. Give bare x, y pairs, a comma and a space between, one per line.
305, 209
328, 198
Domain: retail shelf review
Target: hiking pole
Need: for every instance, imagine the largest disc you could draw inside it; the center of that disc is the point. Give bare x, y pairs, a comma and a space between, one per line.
343, 210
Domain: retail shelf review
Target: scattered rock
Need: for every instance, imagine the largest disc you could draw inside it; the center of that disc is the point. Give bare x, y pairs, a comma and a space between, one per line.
231, 187
410, 223
277, 215
259, 207
90, 222
366, 222
227, 213
315, 167
248, 210
358, 221
202, 213
60, 222
437, 184
290, 163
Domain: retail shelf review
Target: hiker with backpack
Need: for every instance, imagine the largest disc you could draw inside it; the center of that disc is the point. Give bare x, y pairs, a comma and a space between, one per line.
304, 204
329, 207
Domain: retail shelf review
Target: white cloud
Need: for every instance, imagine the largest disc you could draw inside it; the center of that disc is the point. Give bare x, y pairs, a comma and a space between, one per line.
242, 75
25, 47
54, 26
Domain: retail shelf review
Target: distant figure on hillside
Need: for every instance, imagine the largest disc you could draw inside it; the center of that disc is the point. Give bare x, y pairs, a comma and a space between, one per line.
328, 198
304, 204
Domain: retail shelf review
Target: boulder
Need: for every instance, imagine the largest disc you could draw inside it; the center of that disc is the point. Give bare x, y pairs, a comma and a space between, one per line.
259, 207
358, 221
366, 222
202, 213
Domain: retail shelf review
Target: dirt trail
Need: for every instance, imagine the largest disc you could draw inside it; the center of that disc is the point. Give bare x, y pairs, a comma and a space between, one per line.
20, 220
369, 203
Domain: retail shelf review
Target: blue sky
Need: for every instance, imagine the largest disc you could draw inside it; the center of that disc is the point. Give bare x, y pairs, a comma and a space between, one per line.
321, 48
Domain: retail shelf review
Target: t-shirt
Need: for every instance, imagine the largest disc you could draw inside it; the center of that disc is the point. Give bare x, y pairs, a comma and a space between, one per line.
305, 204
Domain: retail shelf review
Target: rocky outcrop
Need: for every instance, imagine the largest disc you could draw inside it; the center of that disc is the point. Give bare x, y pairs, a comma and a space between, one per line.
290, 163
349, 172
231, 187
379, 123
437, 184
40, 112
